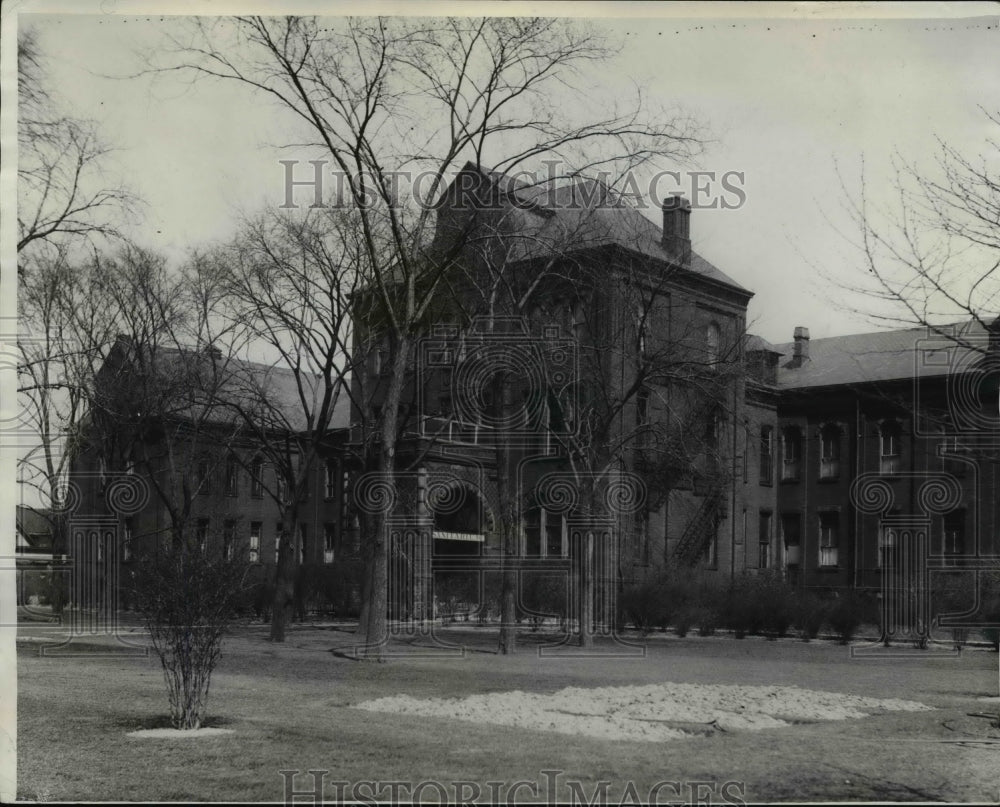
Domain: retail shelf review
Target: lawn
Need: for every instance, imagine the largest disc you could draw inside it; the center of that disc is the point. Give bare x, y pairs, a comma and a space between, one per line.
289, 707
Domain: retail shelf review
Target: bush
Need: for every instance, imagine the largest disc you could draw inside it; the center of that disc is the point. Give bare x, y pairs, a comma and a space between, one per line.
188, 599
707, 620
991, 614
760, 603
646, 604
846, 613
810, 614
776, 605
657, 601
543, 595
683, 620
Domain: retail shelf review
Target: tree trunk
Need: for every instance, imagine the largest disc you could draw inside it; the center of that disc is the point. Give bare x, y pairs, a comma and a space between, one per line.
587, 589
284, 583
58, 580
366, 576
508, 592
508, 527
376, 627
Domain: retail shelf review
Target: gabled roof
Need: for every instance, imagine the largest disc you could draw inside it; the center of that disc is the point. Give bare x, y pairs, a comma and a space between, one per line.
236, 382
883, 356
583, 215
282, 389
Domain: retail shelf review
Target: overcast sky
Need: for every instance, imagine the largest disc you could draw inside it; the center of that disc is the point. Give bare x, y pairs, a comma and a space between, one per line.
787, 100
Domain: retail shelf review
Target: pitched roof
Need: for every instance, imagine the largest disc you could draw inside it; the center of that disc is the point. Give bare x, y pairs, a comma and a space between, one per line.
883, 356
34, 529
756, 344
582, 215
188, 373
283, 389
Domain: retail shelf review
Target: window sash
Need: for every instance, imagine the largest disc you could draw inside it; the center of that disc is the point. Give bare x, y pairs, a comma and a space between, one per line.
231, 478
255, 530
257, 480
767, 455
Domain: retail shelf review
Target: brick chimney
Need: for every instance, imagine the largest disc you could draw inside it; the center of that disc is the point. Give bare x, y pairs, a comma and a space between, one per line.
800, 352
677, 228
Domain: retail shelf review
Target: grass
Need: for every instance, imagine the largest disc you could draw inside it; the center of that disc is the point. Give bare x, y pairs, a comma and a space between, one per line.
289, 706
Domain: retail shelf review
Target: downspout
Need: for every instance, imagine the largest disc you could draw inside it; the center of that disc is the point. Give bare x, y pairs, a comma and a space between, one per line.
858, 446
732, 498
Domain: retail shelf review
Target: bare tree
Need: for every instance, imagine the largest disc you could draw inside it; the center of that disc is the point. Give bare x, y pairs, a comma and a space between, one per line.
66, 332
290, 281
931, 255
382, 99
154, 409
64, 195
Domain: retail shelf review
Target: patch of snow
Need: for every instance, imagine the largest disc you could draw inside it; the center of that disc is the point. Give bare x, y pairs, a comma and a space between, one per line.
179, 734
646, 712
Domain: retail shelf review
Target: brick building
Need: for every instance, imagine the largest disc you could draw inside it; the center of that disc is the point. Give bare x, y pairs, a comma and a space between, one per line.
808, 457
173, 461
882, 428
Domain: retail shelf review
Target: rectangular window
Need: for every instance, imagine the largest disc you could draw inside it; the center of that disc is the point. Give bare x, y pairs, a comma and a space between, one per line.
951, 451
280, 486
829, 538
330, 480
886, 545
829, 460
954, 533
791, 455
712, 549
329, 540
127, 527
553, 534
102, 475
642, 407
766, 455
764, 540
746, 454
256, 527
232, 476
257, 479
228, 538
889, 447
533, 532
201, 534
203, 478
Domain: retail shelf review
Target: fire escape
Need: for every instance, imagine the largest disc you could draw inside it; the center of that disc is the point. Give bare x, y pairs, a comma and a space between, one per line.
700, 530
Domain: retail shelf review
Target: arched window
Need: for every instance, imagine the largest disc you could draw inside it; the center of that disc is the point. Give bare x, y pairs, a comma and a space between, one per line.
889, 448
829, 451
712, 342
791, 452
